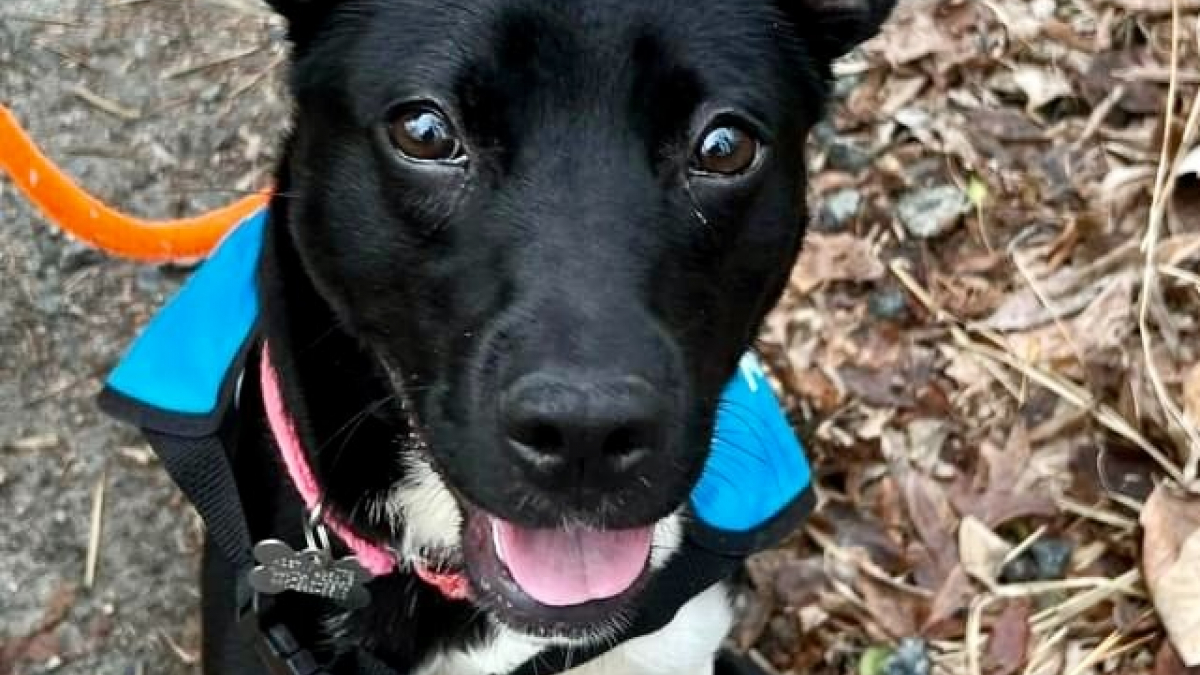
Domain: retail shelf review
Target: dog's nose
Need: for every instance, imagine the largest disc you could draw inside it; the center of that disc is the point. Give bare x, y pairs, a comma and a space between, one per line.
573, 426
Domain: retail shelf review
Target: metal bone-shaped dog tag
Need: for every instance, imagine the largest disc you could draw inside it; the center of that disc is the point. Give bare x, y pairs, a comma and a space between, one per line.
312, 572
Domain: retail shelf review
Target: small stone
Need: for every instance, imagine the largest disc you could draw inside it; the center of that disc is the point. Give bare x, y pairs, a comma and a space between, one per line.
1051, 558
839, 208
932, 212
848, 156
910, 658
845, 84
76, 256
824, 133
784, 629
1020, 570
148, 280
47, 303
887, 303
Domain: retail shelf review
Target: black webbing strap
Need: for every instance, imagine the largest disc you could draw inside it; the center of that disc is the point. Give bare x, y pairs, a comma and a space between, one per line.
369, 665
202, 470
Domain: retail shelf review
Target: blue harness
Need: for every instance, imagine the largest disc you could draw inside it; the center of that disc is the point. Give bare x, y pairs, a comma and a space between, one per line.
178, 380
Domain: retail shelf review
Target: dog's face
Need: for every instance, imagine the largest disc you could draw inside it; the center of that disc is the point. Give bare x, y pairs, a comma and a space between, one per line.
557, 224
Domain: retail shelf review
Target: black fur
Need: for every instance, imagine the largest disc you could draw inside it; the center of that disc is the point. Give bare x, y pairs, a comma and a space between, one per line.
574, 239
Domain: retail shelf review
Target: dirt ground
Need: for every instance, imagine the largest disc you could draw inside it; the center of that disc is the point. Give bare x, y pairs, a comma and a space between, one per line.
165, 109
1000, 393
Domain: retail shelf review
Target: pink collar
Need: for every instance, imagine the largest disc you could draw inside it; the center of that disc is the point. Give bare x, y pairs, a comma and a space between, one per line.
374, 558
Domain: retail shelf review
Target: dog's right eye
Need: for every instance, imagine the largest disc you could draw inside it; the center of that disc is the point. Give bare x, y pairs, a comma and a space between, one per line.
725, 149
422, 133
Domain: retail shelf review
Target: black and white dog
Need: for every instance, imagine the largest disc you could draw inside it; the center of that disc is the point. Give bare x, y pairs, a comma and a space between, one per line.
516, 251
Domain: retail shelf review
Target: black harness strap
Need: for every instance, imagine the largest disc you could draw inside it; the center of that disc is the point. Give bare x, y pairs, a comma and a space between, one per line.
201, 469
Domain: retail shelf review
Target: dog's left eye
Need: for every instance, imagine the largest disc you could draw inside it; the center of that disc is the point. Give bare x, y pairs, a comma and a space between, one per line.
423, 133
726, 149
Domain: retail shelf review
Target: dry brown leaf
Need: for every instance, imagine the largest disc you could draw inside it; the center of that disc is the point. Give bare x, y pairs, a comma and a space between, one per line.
856, 528
895, 612
1024, 309
764, 567
981, 550
1005, 125
1009, 642
911, 36
43, 642
933, 519
835, 257
1006, 466
898, 93
966, 369
1156, 6
1167, 662
1171, 564
1041, 86
1185, 200
1006, 485
1020, 23
878, 388
951, 598
967, 296
1191, 394
1174, 250
798, 581
1189, 165
755, 614
1105, 323
813, 386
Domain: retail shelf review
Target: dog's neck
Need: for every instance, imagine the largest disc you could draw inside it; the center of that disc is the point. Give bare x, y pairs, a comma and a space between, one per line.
336, 395
333, 392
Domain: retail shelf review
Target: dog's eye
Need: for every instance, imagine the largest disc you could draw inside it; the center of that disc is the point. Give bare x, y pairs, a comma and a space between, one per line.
725, 150
424, 134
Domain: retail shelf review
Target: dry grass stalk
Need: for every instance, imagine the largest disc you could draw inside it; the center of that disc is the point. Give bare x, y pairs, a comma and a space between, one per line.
1163, 187
1025, 545
1063, 387
1043, 654
828, 546
96, 531
1063, 613
1109, 648
1121, 523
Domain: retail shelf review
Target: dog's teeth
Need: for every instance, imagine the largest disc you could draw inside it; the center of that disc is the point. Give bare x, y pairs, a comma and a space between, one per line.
496, 545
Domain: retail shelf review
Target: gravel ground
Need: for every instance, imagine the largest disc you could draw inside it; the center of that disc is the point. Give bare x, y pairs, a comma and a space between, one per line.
163, 109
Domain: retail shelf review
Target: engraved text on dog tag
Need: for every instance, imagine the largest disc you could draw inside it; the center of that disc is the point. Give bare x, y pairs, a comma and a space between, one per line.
311, 571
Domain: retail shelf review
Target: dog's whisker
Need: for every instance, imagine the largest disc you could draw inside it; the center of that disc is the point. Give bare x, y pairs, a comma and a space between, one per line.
315, 342
356, 419
357, 422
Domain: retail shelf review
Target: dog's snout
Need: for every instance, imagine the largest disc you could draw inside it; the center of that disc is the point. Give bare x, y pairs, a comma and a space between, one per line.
574, 426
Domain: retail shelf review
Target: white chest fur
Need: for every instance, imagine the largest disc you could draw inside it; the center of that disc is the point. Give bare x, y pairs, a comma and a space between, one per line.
684, 647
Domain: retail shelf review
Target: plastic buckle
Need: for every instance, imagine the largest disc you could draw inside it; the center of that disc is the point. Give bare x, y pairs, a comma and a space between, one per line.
273, 641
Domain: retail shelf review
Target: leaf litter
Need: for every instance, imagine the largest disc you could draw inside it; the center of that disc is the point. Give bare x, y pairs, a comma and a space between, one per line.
994, 355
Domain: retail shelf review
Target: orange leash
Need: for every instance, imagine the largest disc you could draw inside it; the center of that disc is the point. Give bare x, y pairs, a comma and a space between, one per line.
93, 222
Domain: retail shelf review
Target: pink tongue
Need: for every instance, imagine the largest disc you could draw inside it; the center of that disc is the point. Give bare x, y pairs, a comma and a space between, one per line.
559, 568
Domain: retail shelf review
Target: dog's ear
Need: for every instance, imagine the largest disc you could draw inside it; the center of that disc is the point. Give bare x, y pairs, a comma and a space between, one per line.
834, 27
303, 16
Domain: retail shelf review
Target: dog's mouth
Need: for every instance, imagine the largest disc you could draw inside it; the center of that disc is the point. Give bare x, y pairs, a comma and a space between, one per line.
562, 581
573, 581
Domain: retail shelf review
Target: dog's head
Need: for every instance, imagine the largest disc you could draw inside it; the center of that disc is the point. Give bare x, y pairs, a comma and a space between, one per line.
556, 224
